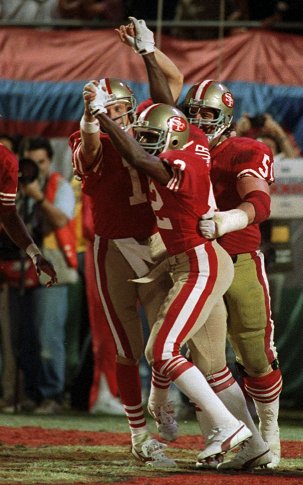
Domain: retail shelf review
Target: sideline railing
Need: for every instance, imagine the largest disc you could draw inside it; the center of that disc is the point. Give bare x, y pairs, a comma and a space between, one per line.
105, 24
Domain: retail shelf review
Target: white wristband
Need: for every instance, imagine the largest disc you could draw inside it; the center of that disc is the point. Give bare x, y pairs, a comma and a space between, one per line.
32, 251
89, 127
229, 221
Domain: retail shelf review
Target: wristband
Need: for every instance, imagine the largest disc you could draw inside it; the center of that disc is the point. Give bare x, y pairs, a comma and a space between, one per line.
229, 221
32, 250
89, 127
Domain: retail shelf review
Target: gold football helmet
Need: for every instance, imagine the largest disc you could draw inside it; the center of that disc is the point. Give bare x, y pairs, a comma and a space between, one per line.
120, 92
161, 127
211, 95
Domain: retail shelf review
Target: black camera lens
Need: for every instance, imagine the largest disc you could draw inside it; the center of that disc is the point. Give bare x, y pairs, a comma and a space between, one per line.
28, 171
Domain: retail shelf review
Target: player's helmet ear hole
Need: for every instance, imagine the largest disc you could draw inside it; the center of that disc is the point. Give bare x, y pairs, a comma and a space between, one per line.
175, 143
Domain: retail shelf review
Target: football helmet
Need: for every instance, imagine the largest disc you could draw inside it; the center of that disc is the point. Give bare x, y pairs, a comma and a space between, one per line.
212, 95
161, 127
119, 92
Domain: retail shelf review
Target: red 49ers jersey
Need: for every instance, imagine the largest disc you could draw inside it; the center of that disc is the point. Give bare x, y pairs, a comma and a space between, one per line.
119, 193
198, 144
235, 158
8, 179
179, 205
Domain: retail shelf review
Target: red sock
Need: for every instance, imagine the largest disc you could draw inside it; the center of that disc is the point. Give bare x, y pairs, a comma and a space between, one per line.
130, 394
265, 388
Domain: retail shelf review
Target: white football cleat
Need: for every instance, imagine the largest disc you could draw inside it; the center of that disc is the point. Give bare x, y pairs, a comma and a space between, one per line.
224, 439
151, 452
248, 458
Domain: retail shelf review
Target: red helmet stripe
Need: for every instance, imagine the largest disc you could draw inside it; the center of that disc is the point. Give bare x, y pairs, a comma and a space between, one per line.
108, 86
201, 89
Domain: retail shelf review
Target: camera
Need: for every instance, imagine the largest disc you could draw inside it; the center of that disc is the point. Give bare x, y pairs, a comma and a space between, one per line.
28, 171
257, 121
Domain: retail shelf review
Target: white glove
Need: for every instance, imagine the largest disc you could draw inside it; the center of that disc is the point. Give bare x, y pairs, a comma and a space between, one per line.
97, 106
222, 223
143, 42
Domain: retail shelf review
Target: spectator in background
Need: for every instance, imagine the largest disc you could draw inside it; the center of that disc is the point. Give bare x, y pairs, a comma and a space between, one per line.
77, 322
39, 333
202, 10
149, 9
29, 10
266, 129
92, 9
272, 11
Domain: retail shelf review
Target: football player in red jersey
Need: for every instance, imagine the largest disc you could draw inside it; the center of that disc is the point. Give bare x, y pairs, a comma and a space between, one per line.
126, 246
179, 191
213, 365
11, 221
241, 173
131, 248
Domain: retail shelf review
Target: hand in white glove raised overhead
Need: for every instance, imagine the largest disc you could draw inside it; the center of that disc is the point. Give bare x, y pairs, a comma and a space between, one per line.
97, 105
223, 222
143, 41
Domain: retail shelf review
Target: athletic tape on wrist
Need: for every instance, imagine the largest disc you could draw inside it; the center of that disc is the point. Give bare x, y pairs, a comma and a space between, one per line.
89, 127
32, 251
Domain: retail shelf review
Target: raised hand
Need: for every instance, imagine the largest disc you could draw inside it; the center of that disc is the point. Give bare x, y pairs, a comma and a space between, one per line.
98, 103
143, 37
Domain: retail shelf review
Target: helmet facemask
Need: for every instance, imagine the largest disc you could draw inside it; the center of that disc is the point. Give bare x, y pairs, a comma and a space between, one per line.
160, 128
215, 98
153, 140
119, 92
212, 127
130, 105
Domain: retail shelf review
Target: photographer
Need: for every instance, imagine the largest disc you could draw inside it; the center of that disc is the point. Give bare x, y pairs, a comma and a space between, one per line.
39, 333
265, 128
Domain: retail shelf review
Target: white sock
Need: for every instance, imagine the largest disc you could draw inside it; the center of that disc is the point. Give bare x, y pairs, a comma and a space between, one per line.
194, 385
159, 390
234, 400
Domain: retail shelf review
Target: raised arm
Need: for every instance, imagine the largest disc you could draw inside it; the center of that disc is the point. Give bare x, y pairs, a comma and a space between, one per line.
165, 79
89, 127
133, 153
124, 143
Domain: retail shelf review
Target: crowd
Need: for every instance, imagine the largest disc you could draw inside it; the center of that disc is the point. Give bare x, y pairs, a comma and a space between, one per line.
160, 221
267, 13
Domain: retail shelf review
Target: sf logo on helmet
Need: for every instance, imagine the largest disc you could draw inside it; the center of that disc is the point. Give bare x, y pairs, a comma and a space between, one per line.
177, 123
228, 100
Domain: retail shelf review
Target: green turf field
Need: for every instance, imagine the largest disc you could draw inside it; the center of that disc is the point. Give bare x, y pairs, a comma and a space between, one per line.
74, 449
291, 423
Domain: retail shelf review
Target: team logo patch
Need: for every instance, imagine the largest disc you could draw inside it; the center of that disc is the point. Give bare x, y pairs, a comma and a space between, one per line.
228, 100
177, 123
